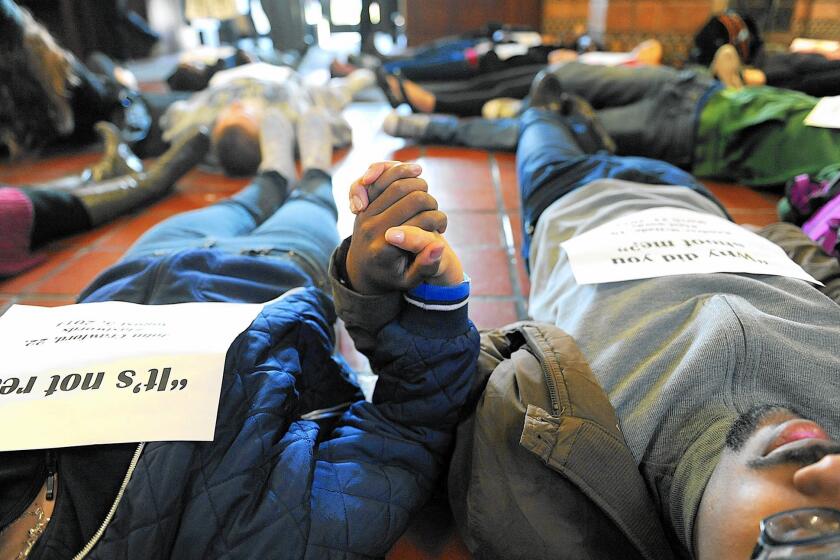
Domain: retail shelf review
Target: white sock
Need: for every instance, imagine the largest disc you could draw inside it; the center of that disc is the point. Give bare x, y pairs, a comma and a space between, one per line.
359, 79
501, 108
314, 138
340, 91
333, 99
277, 144
406, 126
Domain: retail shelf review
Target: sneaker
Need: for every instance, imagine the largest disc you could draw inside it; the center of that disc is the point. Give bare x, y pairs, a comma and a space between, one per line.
413, 125
546, 91
582, 121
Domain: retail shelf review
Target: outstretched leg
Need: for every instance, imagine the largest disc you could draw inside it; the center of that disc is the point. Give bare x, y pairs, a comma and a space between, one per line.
551, 164
305, 225
240, 214
615, 86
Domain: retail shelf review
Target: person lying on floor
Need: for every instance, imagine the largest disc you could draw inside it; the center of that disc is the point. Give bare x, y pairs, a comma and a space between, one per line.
688, 416
756, 136
453, 57
276, 482
47, 95
497, 90
814, 73
34, 215
235, 100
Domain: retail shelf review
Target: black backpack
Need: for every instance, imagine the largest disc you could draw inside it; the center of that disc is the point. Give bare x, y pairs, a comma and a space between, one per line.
730, 27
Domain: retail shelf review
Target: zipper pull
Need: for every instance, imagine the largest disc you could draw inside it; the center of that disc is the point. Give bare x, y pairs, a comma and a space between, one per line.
52, 468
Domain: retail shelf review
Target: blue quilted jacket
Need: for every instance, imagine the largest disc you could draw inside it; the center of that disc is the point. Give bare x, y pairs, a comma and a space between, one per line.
274, 483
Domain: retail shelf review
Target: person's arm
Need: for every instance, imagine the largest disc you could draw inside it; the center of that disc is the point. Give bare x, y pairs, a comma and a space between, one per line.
380, 464
803, 251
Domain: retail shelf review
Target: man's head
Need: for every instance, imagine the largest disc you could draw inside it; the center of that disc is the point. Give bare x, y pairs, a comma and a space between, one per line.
236, 139
774, 460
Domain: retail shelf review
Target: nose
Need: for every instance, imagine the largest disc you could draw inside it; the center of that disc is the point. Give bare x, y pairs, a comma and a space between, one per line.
821, 479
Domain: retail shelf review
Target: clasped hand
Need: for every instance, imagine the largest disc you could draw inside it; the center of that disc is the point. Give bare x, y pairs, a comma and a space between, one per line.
397, 238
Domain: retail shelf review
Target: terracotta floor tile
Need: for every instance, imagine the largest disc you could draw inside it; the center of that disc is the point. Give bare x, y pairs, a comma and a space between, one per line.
459, 184
183, 202
87, 239
201, 181
75, 275
452, 548
754, 217
738, 196
130, 228
470, 229
516, 229
431, 535
29, 280
507, 176
478, 156
488, 269
407, 153
39, 170
47, 302
492, 313
524, 280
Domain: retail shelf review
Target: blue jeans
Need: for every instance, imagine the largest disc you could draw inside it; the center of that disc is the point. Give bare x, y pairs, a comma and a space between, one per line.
549, 164
261, 219
448, 60
473, 132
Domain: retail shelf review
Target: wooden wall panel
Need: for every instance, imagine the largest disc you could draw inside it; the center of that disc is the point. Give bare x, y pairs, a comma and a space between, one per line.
431, 19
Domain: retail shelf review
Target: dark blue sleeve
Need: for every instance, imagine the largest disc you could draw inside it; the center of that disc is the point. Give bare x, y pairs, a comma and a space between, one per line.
380, 465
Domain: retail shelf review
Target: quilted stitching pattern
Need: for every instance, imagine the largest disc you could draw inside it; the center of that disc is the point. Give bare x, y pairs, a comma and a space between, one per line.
267, 486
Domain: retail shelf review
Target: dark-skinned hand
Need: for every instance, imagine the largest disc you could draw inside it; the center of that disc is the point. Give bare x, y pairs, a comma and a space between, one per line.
397, 241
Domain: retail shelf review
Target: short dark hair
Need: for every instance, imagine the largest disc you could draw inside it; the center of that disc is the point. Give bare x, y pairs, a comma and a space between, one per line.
238, 151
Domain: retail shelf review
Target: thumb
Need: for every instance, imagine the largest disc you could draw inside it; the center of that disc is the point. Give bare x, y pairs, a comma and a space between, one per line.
411, 238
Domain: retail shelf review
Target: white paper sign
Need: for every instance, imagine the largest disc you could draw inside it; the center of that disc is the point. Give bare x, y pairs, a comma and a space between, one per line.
670, 241
825, 114
113, 372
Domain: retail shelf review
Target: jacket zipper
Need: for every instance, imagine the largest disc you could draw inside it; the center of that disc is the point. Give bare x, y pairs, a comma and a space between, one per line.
547, 369
52, 469
98, 534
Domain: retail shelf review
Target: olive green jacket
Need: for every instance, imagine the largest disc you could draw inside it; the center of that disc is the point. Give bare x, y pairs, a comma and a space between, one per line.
540, 468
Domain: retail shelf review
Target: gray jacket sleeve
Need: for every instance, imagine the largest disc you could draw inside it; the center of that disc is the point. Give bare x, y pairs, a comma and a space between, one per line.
807, 254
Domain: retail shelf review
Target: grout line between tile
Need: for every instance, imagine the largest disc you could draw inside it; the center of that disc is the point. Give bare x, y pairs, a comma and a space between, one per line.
507, 234
30, 291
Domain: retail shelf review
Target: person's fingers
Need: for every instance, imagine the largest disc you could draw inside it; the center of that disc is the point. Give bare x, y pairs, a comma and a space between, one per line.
395, 192
425, 265
404, 209
390, 175
411, 238
358, 195
431, 220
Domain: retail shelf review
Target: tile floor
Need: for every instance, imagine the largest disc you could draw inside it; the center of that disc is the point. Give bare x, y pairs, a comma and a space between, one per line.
476, 188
